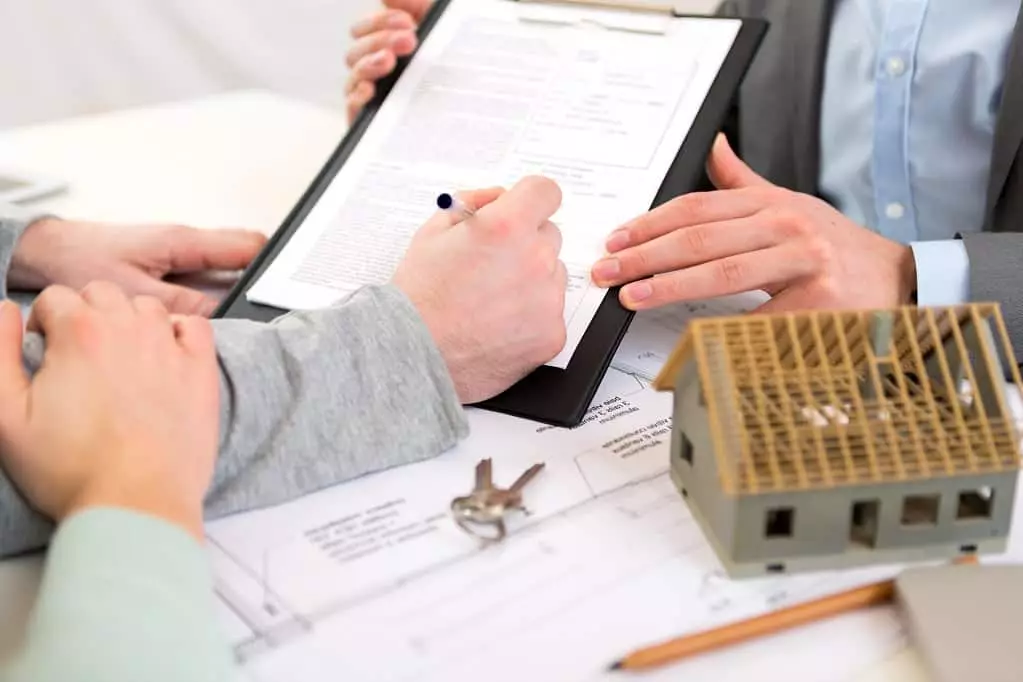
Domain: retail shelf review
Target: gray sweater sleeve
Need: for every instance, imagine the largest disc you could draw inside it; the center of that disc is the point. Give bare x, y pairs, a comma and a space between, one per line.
13, 221
309, 401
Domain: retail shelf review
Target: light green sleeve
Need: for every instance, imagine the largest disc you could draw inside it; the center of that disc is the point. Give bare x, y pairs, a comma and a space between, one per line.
125, 597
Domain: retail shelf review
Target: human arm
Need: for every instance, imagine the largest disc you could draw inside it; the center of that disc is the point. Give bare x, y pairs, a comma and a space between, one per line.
38, 250
751, 235
126, 593
14, 220
320, 397
117, 581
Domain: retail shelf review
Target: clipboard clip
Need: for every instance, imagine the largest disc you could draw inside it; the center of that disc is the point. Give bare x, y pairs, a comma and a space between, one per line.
614, 15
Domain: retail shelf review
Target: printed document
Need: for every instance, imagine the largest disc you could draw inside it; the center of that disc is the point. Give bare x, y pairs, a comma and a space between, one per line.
599, 101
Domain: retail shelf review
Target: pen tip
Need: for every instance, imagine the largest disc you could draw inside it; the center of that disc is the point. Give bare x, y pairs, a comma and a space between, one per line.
617, 665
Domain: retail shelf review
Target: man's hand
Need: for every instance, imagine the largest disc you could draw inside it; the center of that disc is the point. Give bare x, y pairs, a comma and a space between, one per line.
752, 235
123, 412
136, 258
491, 288
379, 40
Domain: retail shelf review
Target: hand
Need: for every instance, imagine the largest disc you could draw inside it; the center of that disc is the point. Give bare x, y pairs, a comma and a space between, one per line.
122, 413
491, 288
379, 40
752, 235
75, 253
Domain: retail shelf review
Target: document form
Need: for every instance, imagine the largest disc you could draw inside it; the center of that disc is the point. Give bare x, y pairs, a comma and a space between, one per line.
599, 101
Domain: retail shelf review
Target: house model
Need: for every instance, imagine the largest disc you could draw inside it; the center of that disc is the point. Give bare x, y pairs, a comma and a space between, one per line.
829, 440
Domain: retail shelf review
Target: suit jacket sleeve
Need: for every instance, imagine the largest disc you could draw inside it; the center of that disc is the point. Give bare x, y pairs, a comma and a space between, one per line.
309, 401
996, 276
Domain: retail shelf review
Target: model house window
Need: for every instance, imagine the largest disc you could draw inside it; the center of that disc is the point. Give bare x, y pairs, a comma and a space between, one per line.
864, 523
685, 448
779, 522
975, 504
920, 510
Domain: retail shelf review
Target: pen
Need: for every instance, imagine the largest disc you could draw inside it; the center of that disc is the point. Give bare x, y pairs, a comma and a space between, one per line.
875, 594
450, 202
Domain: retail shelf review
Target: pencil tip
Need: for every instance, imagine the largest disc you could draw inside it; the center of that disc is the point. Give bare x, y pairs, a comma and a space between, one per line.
617, 665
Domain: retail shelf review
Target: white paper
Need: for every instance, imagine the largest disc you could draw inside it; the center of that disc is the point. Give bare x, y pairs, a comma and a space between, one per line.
373, 580
654, 333
488, 99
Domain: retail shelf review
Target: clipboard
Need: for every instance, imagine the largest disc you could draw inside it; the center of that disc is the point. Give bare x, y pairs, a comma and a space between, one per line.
549, 395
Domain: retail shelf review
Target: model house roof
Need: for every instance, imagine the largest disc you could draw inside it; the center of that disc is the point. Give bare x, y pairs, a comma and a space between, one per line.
822, 399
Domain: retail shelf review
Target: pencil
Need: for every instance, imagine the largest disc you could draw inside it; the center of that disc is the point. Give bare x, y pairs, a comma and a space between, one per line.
690, 645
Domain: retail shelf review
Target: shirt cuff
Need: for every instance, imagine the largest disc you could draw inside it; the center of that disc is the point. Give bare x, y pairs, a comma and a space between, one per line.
942, 272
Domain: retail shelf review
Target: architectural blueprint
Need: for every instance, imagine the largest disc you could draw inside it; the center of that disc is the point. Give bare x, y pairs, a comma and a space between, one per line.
373, 579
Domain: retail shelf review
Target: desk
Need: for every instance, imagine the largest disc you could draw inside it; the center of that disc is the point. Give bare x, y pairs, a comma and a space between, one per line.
233, 160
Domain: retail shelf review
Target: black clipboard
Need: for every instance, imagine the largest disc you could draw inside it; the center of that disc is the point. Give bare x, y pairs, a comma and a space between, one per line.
559, 397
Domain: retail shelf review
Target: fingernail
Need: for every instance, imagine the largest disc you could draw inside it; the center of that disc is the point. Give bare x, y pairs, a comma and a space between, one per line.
618, 240
377, 58
607, 270
640, 291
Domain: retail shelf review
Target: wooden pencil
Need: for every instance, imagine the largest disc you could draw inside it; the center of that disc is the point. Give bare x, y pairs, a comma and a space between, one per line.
690, 645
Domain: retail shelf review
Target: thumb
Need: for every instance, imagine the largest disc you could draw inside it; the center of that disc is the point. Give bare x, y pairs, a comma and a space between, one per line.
14, 383
472, 201
727, 171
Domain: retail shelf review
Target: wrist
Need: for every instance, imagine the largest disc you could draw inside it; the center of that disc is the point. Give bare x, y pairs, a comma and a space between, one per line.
154, 503
29, 260
907, 279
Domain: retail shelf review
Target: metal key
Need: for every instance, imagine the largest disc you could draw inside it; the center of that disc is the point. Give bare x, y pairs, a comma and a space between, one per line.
486, 506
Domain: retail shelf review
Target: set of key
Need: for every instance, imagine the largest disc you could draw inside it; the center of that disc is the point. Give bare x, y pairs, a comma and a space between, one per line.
482, 512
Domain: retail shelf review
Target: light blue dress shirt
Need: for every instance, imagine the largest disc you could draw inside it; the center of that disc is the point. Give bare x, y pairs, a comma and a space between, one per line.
911, 96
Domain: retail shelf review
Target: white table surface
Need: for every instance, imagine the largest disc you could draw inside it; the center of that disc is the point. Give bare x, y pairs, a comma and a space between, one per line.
241, 159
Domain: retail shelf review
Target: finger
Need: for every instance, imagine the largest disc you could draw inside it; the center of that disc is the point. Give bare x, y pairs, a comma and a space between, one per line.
525, 207
194, 335
472, 201
697, 208
561, 277
52, 306
399, 43
175, 299
370, 69
193, 250
417, 8
14, 383
731, 275
151, 307
392, 19
358, 99
107, 297
727, 171
684, 248
551, 235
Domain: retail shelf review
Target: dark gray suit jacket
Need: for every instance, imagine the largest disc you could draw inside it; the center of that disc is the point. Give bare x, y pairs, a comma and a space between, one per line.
776, 130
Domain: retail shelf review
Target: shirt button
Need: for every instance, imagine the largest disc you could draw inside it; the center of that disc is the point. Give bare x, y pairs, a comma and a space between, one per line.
896, 66
895, 210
